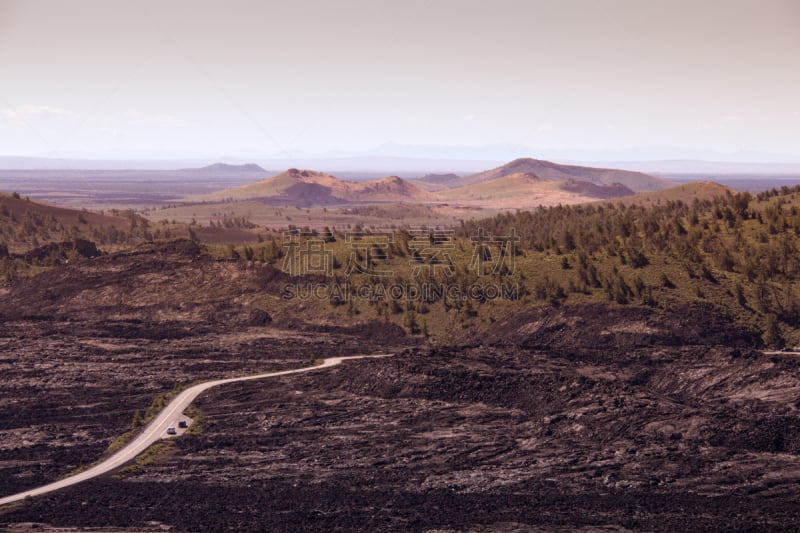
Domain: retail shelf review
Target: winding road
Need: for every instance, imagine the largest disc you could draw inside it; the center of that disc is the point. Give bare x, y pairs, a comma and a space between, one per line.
158, 427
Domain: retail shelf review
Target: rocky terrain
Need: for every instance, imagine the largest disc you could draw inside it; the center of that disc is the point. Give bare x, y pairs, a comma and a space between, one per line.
85, 347
578, 417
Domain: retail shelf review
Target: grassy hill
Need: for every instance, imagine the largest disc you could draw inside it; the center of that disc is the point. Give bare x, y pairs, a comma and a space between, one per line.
25, 224
701, 190
693, 245
734, 253
35, 236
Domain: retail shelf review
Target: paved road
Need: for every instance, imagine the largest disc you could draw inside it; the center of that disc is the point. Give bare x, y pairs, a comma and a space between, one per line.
158, 427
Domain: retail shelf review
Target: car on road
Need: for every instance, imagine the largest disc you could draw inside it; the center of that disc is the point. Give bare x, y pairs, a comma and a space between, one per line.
171, 431
182, 424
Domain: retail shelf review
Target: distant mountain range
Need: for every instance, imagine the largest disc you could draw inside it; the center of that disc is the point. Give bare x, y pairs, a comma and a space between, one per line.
417, 161
521, 183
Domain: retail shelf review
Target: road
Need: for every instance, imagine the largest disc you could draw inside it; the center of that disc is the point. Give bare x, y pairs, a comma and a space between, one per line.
158, 427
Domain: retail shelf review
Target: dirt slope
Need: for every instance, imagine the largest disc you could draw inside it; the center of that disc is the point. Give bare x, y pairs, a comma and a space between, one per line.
549, 171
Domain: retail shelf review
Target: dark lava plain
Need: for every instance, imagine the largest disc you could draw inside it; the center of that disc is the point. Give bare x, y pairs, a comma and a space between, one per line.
575, 418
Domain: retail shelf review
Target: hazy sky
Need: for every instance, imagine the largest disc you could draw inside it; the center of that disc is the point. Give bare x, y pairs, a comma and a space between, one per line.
110, 78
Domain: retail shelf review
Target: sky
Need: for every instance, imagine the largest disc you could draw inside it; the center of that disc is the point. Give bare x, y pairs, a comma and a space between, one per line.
121, 79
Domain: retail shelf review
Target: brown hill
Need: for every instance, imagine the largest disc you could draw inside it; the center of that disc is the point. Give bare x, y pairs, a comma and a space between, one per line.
510, 185
307, 187
549, 171
586, 188
389, 189
525, 190
276, 186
